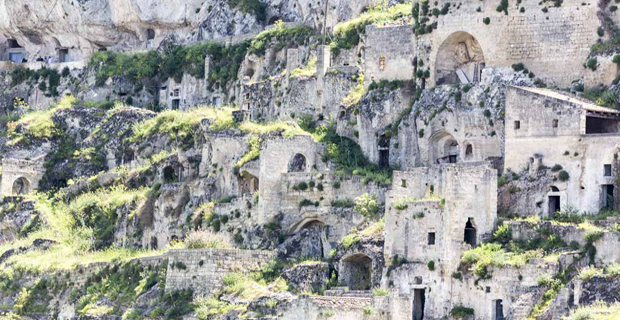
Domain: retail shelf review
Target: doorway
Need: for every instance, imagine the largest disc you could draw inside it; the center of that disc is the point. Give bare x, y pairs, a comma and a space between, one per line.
470, 233
498, 310
419, 299
554, 205
608, 196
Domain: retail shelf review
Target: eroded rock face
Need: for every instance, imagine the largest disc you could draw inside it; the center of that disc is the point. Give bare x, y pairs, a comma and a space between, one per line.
600, 289
306, 243
307, 277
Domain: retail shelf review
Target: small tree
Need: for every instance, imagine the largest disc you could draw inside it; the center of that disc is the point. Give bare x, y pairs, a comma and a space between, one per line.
367, 205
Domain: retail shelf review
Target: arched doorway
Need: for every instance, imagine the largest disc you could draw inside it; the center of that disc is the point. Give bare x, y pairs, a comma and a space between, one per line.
21, 186
443, 148
297, 163
470, 232
357, 272
460, 60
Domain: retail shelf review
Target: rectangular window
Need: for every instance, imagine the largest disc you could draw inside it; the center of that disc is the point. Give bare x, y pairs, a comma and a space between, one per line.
382, 63
403, 183
517, 125
608, 170
555, 123
431, 238
176, 92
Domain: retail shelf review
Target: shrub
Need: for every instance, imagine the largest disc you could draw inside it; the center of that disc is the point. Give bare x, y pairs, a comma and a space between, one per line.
502, 234
300, 186
461, 312
206, 239
563, 176
367, 205
588, 273
592, 64
431, 265
380, 292
343, 203
518, 67
600, 31
556, 168
457, 275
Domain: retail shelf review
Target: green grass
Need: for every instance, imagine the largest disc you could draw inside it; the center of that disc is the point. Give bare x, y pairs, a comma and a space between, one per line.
492, 254
356, 93
307, 71
597, 311
37, 124
254, 144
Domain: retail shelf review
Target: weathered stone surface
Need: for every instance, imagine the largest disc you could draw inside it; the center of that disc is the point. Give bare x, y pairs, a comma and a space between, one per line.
307, 277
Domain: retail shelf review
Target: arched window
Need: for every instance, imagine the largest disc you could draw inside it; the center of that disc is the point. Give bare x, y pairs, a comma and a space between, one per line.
150, 34
297, 163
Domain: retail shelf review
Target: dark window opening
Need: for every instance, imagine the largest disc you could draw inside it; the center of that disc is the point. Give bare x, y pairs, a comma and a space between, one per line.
176, 103
384, 158
102, 49
431, 238
517, 125
150, 34
554, 204
607, 168
419, 298
602, 125
555, 123
273, 20
554, 189
470, 233
608, 196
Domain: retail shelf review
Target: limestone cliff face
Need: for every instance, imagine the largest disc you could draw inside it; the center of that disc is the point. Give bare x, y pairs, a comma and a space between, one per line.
85, 26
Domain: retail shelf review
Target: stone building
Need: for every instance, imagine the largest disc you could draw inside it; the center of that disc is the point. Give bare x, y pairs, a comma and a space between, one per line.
552, 43
388, 53
580, 139
20, 175
435, 213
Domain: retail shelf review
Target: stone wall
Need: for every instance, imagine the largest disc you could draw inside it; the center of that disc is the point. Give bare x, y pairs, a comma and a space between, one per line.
388, 53
552, 44
203, 269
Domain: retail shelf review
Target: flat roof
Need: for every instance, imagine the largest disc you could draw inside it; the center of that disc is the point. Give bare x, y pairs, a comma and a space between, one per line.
586, 105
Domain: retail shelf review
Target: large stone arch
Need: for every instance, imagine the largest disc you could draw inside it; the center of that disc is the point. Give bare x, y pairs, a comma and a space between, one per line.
306, 223
21, 186
459, 60
443, 148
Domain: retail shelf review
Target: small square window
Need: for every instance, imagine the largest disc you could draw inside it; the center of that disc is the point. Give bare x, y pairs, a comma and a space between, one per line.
608, 170
555, 123
517, 125
403, 183
431, 238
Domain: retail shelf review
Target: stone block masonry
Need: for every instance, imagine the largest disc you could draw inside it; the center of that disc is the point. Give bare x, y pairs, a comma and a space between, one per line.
203, 270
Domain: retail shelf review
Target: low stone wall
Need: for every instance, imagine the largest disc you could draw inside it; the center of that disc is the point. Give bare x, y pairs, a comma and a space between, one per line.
203, 270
